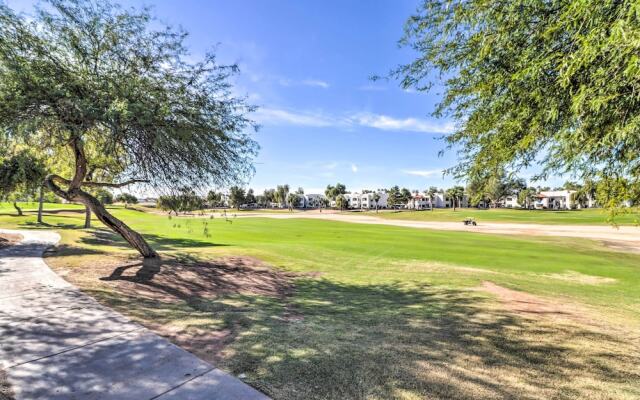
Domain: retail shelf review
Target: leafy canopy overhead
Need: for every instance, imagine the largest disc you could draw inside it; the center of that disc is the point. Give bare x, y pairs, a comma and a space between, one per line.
21, 175
551, 82
93, 72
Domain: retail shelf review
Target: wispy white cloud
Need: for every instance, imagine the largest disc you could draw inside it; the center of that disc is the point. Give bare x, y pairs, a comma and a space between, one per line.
331, 165
277, 116
316, 83
284, 117
354, 168
423, 173
372, 88
305, 82
388, 123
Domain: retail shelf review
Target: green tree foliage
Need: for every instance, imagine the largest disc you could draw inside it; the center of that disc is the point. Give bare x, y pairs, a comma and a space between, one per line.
293, 199
214, 199
186, 200
586, 193
21, 175
550, 83
168, 203
477, 193
455, 194
100, 80
376, 198
493, 188
189, 200
431, 194
236, 196
269, 197
526, 197
250, 198
281, 193
104, 196
617, 192
398, 198
341, 202
332, 192
126, 199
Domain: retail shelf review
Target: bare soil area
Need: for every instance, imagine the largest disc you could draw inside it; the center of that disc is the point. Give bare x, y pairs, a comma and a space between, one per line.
535, 307
8, 239
184, 294
5, 388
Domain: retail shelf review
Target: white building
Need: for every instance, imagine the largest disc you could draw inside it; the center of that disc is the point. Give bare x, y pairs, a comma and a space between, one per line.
366, 201
312, 200
555, 200
440, 200
419, 202
510, 201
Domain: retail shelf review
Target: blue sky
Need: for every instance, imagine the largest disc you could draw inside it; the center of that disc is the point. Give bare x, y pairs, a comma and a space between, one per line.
307, 66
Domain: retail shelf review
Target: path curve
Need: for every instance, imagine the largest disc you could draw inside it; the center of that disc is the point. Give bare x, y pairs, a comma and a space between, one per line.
626, 238
58, 343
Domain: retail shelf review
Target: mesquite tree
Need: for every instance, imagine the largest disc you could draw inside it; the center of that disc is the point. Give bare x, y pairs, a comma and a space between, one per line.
550, 83
21, 175
86, 74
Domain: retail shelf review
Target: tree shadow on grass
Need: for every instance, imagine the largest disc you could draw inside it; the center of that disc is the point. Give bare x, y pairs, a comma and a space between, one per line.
104, 237
63, 250
46, 225
296, 337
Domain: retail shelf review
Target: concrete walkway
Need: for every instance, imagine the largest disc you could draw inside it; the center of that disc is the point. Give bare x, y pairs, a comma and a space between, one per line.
57, 343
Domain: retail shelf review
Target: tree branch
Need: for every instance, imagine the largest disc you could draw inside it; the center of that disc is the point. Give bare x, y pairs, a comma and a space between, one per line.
59, 179
50, 182
81, 163
114, 185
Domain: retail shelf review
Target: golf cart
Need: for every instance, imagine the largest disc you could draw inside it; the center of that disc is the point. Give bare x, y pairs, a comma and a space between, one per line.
470, 221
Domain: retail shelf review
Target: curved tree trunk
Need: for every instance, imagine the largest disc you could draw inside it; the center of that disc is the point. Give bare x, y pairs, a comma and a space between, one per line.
132, 237
15, 205
40, 203
87, 217
75, 193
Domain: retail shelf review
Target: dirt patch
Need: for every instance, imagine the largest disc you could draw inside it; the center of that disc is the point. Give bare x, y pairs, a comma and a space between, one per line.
5, 388
577, 277
173, 279
200, 306
8, 239
534, 306
623, 246
432, 266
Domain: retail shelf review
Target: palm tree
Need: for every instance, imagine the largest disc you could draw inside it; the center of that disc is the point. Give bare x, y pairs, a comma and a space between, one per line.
450, 194
376, 197
431, 193
589, 189
293, 199
456, 194
341, 202
282, 191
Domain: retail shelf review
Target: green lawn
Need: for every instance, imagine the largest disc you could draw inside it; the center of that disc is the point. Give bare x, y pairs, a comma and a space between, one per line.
375, 311
592, 216
7, 208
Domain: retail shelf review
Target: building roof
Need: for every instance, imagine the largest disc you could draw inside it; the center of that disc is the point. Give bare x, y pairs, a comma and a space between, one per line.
556, 193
